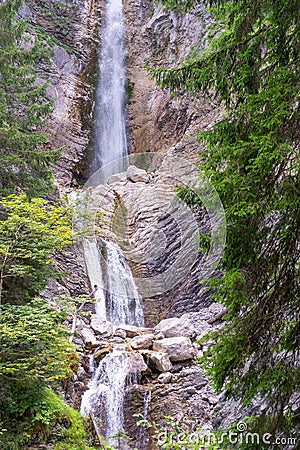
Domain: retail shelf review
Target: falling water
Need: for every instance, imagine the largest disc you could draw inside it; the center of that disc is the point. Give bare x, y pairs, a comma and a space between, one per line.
110, 132
105, 397
123, 301
117, 298
144, 439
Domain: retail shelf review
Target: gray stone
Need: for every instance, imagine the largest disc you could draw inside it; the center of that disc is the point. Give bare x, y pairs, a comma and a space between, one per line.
87, 336
159, 335
117, 178
136, 175
120, 333
136, 363
61, 57
177, 348
165, 378
175, 327
159, 361
132, 330
143, 341
101, 326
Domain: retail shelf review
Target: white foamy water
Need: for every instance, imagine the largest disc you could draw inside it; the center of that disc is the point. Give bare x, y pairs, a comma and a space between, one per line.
110, 130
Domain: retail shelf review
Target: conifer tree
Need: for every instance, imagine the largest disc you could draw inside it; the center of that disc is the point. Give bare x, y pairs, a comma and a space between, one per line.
252, 68
23, 107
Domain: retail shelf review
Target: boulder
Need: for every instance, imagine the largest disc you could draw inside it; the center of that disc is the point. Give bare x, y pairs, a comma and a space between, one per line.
135, 175
177, 348
136, 363
175, 327
101, 326
158, 360
100, 354
119, 332
165, 378
143, 341
87, 336
132, 330
117, 178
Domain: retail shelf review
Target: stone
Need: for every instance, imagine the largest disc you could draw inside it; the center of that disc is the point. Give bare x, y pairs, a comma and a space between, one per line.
101, 344
165, 378
101, 326
159, 335
117, 178
87, 336
119, 332
81, 374
175, 327
177, 348
159, 361
132, 330
100, 354
143, 341
136, 363
136, 175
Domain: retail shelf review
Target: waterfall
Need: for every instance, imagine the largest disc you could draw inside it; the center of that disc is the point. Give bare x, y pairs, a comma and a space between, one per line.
110, 131
123, 301
105, 396
116, 295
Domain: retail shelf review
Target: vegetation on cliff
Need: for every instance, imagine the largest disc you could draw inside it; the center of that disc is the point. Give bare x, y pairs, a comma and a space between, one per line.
251, 67
35, 350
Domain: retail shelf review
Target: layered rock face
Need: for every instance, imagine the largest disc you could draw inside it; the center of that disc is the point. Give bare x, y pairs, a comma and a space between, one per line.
157, 233
157, 37
72, 30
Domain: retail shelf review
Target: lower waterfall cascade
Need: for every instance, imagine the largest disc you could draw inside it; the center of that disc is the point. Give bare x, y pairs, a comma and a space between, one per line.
105, 395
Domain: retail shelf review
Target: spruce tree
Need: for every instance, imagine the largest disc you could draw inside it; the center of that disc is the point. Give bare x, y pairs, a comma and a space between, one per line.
23, 107
252, 68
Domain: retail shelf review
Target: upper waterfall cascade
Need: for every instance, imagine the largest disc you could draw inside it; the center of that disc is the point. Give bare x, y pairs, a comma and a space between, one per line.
110, 131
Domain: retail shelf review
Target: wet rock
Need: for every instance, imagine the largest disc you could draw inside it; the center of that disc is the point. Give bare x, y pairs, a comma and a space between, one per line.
136, 175
120, 333
100, 354
142, 342
132, 331
175, 327
101, 326
137, 363
177, 348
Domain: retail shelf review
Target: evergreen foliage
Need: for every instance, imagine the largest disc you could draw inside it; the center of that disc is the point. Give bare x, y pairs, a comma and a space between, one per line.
252, 67
23, 107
